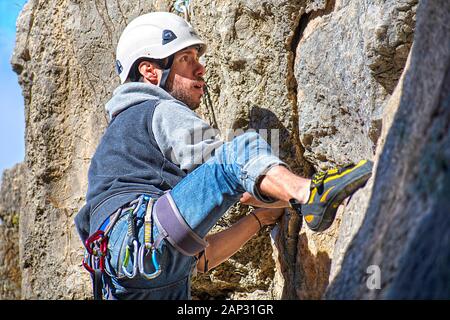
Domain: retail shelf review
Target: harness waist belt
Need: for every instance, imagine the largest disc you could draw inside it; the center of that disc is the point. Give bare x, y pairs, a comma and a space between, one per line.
174, 228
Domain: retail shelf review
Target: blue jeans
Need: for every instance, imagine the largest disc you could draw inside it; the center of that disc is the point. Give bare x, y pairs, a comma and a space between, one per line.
202, 197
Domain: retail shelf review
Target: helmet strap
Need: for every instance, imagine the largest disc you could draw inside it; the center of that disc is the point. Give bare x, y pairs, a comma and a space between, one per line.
166, 71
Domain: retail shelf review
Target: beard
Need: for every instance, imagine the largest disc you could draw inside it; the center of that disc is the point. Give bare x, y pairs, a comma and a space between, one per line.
182, 91
184, 95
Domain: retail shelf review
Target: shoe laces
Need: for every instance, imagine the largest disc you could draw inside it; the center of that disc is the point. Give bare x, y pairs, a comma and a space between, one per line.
318, 179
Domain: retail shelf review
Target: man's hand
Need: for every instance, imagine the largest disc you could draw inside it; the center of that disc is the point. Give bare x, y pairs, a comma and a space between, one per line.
268, 216
249, 200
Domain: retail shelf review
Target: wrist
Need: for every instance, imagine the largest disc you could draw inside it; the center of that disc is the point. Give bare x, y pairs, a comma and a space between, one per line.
263, 218
258, 220
269, 216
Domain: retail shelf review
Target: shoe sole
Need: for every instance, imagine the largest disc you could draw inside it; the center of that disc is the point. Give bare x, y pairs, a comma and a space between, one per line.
330, 212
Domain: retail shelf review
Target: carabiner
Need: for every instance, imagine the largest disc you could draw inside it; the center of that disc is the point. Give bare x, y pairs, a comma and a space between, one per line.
96, 247
98, 236
148, 244
86, 263
132, 241
135, 260
156, 266
182, 6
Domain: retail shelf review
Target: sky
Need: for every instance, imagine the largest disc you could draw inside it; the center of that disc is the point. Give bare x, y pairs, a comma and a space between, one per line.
12, 120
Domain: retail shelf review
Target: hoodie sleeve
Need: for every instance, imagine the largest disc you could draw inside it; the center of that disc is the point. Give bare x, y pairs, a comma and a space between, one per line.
182, 136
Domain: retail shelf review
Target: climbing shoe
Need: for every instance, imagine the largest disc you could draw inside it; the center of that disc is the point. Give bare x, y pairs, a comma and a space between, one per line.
328, 190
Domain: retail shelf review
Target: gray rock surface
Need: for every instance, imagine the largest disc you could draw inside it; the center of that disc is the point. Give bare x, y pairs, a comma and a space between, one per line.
344, 53
403, 231
12, 194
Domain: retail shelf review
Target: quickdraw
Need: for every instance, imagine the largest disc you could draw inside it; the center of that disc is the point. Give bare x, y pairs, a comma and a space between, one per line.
148, 246
140, 252
133, 243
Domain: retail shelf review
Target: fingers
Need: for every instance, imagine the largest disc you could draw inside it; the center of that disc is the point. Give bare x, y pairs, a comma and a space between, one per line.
246, 197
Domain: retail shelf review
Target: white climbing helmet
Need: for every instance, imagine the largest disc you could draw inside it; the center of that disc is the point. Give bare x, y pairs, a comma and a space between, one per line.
155, 35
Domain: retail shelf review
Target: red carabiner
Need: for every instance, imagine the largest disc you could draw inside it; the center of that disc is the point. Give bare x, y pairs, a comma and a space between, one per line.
98, 235
97, 238
87, 266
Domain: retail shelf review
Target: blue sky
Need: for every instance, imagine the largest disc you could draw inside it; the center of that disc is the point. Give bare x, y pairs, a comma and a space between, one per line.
12, 120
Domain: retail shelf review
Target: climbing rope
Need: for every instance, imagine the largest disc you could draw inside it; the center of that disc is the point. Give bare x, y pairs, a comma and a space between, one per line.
209, 106
183, 6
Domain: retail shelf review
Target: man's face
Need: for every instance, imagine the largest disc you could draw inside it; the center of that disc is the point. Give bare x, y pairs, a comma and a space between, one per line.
185, 81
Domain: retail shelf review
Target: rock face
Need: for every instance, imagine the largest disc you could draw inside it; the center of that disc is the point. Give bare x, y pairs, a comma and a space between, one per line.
323, 73
71, 44
275, 65
403, 232
11, 203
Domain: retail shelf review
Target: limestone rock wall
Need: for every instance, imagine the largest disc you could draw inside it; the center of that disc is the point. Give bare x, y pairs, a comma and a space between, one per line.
63, 57
11, 205
321, 72
403, 231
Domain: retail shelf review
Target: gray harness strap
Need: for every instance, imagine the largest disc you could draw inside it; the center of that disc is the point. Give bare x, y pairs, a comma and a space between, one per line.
174, 228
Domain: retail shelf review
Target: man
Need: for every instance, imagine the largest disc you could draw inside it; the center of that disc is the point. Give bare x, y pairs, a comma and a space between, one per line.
155, 191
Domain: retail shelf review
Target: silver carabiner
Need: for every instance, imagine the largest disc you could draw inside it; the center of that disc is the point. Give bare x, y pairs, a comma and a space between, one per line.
156, 266
132, 235
135, 261
182, 6
148, 245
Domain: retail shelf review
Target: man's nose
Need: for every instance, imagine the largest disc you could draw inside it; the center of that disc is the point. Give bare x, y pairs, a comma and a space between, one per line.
200, 70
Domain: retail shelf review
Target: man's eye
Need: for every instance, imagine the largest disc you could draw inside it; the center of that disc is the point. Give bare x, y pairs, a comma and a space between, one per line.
184, 58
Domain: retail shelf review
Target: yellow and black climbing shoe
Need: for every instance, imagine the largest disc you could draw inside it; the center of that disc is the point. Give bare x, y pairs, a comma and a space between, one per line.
328, 190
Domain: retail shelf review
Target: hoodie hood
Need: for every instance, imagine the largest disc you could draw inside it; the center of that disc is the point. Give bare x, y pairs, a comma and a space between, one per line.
132, 93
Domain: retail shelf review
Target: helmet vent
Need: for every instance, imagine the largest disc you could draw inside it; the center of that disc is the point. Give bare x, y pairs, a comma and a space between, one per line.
168, 36
119, 67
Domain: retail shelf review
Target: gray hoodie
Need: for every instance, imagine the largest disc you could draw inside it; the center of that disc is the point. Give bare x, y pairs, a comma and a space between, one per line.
151, 143
182, 136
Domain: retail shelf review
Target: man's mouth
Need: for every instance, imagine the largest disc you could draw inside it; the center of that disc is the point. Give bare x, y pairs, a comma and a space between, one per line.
199, 86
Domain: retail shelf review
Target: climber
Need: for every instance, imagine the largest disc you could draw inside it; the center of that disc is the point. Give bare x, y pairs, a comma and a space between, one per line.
154, 191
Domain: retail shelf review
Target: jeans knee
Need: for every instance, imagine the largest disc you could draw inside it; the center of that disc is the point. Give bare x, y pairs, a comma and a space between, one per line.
248, 137
253, 142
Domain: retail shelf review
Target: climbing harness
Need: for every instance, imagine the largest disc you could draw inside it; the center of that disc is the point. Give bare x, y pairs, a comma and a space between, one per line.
149, 245
174, 228
182, 6
97, 246
162, 213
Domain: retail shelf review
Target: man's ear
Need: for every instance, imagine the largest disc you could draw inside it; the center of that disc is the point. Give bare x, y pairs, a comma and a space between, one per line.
149, 72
